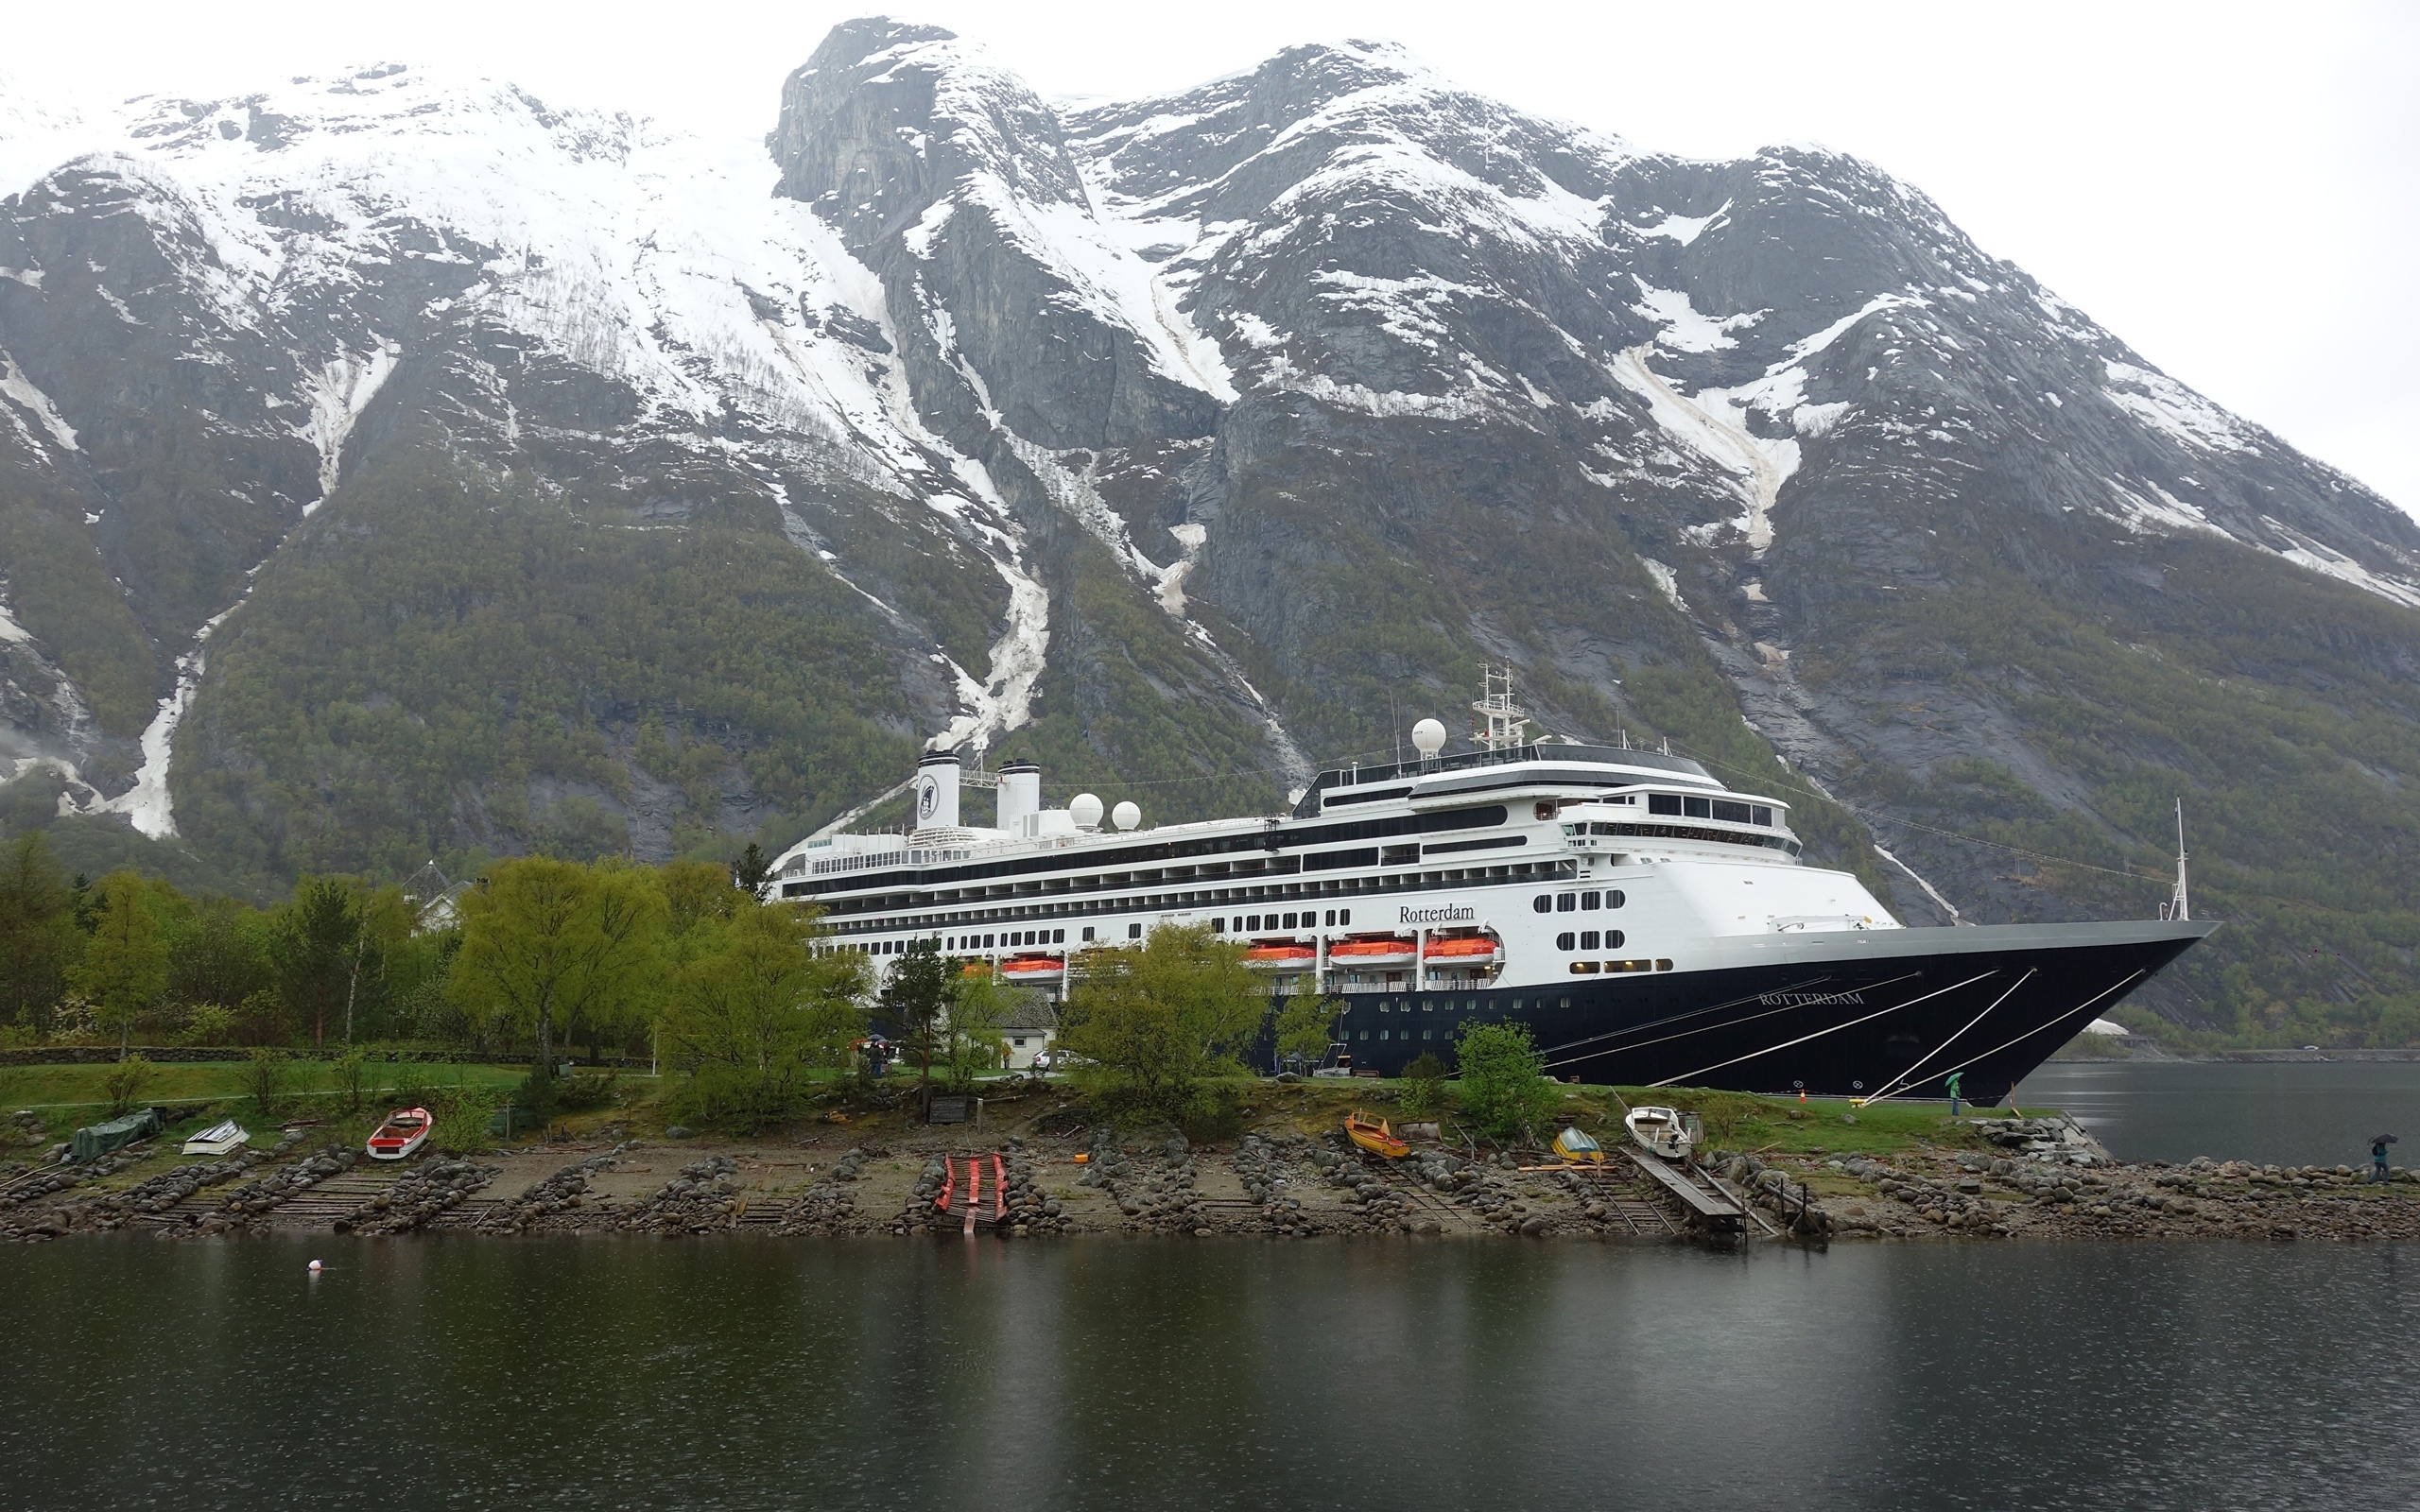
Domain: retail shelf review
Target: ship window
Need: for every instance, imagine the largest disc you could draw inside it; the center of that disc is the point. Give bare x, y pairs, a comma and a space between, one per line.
1088, 933
1516, 1004
1731, 813
1217, 926
1331, 916
1425, 1008
1289, 922
1134, 932
1398, 855
1662, 803
1662, 966
1567, 1002
1764, 815
1566, 903
1697, 808
1583, 968
1613, 939
1058, 937
1589, 901
1429, 1034
1564, 941
1542, 903
1588, 939
1344, 916
987, 942
1365, 1034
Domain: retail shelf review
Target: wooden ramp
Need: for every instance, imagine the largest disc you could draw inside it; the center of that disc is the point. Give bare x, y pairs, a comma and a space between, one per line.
1704, 1200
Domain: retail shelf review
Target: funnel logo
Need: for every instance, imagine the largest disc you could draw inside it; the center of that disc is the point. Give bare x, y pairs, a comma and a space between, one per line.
929, 797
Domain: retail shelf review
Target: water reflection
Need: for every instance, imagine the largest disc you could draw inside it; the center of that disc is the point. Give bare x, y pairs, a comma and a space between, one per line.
1117, 1374
2298, 1113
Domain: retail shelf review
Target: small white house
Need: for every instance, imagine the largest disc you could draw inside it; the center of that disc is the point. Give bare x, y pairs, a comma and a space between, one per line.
1027, 1030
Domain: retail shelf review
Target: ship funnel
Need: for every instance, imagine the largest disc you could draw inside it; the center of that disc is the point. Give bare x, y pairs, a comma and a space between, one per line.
1020, 795
937, 791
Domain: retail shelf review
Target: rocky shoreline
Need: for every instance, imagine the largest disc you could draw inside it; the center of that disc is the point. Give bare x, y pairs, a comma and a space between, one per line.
2022, 1179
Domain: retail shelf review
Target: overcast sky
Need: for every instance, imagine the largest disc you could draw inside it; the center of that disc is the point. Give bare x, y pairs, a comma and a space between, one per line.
2234, 190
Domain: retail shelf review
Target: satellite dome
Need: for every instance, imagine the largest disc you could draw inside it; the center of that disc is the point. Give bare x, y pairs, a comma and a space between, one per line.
1084, 808
1428, 737
1126, 816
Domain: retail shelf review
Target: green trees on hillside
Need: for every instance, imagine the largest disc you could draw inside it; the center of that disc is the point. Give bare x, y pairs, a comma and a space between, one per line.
124, 967
38, 934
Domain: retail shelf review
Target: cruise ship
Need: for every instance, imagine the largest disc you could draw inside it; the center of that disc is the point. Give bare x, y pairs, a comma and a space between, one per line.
1651, 925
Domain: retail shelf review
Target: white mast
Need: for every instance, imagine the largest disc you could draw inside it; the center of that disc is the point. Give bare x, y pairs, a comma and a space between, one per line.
2179, 905
1504, 723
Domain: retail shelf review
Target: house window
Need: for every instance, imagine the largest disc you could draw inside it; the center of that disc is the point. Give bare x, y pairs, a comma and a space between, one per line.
1019, 1042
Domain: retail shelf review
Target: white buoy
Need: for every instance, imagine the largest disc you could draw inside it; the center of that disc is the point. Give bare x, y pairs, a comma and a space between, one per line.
316, 1267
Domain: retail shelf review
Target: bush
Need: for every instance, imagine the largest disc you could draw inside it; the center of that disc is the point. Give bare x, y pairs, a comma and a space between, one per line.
350, 1073
1505, 1089
1149, 1023
1422, 1084
582, 1090
265, 1077
125, 1081
209, 1024
738, 1099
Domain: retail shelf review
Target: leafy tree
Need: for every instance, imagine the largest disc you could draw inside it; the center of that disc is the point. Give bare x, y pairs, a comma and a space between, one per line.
753, 873
1422, 1080
218, 952
1505, 1089
545, 942
1303, 1027
970, 1038
315, 951
125, 965
754, 1014
915, 998
266, 1077
39, 940
1149, 1023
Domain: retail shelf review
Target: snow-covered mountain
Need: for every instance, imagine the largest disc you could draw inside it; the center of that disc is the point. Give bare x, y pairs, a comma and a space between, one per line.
395, 465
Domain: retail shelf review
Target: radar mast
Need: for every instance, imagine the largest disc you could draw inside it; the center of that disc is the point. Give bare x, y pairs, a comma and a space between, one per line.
1504, 724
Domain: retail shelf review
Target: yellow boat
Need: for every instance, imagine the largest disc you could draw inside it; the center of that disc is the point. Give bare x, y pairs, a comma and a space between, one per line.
1373, 1134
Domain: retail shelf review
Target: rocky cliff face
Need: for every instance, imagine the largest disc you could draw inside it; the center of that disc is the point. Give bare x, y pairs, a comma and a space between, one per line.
553, 480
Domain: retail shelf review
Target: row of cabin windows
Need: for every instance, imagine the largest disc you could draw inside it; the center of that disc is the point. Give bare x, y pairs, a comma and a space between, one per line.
1431, 1005
845, 912
1303, 919
1588, 939
1564, 903
1728, 810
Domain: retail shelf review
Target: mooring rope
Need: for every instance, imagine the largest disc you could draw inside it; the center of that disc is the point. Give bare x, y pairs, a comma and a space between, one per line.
1821, 1033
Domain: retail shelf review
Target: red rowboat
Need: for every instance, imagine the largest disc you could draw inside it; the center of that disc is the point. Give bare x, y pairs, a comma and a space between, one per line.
403, 1134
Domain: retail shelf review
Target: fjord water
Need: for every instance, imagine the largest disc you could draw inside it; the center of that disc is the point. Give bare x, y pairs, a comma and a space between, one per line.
2278, 1113
440, 1373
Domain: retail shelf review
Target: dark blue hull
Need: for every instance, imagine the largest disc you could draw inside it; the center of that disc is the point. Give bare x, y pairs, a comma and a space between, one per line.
1857, 1014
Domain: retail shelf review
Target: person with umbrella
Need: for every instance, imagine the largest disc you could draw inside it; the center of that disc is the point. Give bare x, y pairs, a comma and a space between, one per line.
2378, 1158
1951, 1086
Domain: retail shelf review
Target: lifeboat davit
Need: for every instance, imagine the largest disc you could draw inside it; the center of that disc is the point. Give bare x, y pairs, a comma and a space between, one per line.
1388, 951
1284, 955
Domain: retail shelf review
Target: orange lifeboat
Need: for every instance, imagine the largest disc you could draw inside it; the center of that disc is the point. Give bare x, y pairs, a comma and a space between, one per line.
1033, 968
1281, 955
1473, 949
1387, 951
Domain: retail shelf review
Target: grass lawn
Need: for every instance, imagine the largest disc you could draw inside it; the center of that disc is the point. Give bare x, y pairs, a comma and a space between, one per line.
68, 1095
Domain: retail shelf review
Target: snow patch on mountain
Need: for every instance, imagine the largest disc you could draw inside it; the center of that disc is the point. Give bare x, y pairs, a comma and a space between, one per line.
20, 389
335, 395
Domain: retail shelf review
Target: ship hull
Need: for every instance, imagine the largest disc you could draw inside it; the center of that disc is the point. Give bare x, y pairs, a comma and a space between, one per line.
1846, 1013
